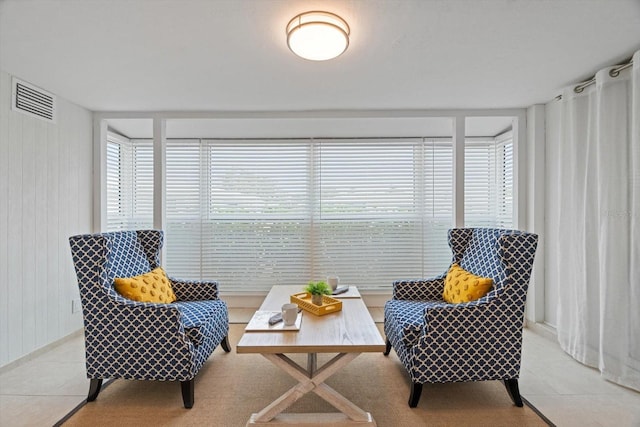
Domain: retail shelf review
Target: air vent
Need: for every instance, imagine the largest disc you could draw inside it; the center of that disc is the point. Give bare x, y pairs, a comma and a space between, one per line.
33, 101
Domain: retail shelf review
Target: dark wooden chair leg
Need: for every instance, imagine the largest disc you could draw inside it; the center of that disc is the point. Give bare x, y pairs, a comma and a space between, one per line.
188, 388
225, 344
94, 389
416, 391
387, 349
514, 391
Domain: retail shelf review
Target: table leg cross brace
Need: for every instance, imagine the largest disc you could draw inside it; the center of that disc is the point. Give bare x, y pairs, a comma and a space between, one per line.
311, 381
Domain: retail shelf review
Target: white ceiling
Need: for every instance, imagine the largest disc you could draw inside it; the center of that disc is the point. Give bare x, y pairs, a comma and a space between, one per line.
231, 55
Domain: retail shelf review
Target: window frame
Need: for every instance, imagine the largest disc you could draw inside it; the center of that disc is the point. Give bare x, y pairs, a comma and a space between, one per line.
159, 120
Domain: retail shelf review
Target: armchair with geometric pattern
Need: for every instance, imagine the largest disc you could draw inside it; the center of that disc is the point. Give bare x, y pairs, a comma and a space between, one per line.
480, 340
141, 340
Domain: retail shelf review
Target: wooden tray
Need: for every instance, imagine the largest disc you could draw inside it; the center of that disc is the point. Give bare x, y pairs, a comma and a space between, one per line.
329, 305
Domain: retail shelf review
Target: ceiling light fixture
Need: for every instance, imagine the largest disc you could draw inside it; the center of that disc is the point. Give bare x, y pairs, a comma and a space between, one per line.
317, 36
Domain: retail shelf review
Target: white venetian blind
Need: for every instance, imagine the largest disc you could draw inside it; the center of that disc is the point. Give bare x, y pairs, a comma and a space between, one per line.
504, 178
184, 200
238, 211
488, 183
383, 211
129, 183
438, 202
369, 214
479, 183
254, 213
115, 210
142, 177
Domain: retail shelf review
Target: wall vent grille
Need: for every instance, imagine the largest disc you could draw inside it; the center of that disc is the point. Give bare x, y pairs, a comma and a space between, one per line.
33, 101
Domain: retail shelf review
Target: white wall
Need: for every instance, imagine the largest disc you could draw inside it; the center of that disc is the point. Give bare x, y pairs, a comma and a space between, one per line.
45, 196
552, 168
535, 165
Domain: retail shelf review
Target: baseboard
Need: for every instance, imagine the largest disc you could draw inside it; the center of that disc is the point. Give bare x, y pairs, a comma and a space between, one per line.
374, 299
543, 329
243, 300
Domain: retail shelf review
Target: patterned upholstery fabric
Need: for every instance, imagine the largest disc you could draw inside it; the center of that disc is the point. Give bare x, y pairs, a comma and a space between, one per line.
479, 340
425, 290
406, 320
144, 341
203, 318
189, 290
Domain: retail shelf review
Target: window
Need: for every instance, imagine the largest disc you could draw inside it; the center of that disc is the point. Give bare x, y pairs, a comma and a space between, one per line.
257, 213
504, 181
129, 183
383, 209
239, 211
438, 199
488, 182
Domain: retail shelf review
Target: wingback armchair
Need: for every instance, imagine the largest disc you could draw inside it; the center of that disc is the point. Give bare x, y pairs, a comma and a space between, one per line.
140, 340
480, 340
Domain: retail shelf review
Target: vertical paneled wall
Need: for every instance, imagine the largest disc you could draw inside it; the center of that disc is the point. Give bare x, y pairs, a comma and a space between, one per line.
45, 196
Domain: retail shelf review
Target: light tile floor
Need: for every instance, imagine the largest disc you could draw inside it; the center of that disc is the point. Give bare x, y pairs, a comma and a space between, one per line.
40, 391
569, 393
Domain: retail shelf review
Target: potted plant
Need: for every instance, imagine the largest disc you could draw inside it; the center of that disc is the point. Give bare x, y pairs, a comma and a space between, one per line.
317, 290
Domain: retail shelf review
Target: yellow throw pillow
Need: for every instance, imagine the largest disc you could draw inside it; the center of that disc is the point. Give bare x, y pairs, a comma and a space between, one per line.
462, 286
149, 287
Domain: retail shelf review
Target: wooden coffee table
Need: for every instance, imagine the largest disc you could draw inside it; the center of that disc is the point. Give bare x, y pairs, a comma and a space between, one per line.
348, 333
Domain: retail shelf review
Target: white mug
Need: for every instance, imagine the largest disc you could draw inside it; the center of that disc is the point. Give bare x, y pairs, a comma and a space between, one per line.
289, 314
333, 282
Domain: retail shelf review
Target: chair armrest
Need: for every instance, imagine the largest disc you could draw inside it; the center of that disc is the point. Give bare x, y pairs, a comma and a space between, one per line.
127, 318
194, 290
481, 320
419, 290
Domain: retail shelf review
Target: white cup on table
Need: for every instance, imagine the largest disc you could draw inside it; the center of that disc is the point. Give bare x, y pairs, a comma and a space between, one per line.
333, 282
289, 314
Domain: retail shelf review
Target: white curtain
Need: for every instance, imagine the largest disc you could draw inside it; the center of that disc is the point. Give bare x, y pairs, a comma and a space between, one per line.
594, 223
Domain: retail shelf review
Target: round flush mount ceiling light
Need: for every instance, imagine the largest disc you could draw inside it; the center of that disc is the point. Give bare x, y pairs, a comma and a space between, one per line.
317, 36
